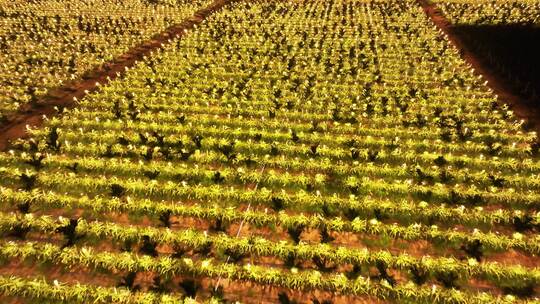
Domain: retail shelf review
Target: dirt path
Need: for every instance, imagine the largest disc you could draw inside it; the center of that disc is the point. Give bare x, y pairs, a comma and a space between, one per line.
64, 96
498, 85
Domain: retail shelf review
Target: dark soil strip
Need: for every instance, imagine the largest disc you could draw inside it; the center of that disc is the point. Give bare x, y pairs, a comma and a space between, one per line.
506, 92
64, 97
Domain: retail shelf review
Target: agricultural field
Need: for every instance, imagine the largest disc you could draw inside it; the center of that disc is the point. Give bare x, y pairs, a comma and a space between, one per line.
301, 151
44, 44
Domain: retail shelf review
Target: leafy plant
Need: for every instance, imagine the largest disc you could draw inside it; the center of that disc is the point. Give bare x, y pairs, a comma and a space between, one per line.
190, 287
52, 139
295, 232
473, 249
28, 181
128, 281
447, 278
36, 161
69, 232
148, 246
117, 190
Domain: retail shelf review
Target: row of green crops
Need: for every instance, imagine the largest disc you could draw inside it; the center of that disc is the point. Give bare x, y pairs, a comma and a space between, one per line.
321, 146
181, 240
